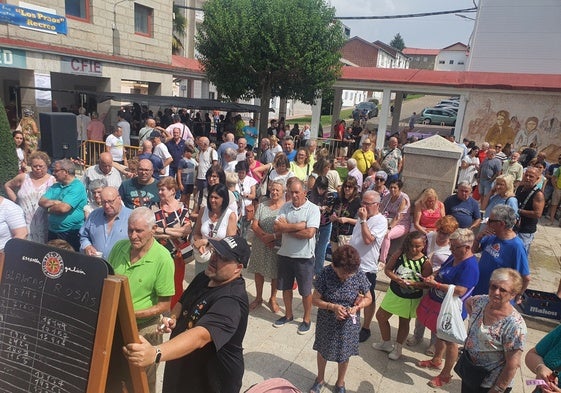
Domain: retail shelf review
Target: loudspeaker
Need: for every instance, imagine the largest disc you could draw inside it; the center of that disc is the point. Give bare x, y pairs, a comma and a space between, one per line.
59, 134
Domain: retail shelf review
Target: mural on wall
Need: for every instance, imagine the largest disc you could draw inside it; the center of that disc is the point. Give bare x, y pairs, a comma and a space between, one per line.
518, 119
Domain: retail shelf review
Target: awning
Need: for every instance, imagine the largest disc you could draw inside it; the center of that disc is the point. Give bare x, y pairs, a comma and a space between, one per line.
166, 101
180, 102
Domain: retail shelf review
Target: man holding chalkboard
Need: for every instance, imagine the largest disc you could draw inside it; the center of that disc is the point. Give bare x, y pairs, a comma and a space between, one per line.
204, 353
149, 268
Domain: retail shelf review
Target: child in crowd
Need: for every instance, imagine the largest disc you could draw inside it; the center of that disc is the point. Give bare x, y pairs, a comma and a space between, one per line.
186, 175
405, 291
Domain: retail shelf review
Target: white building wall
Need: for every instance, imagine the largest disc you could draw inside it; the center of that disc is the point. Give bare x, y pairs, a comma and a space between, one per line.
517, 36
451, 61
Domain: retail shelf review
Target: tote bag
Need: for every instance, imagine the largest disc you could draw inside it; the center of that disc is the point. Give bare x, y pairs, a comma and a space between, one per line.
450, 325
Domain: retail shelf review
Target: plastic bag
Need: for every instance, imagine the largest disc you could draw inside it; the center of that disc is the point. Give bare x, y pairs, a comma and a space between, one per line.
450, 325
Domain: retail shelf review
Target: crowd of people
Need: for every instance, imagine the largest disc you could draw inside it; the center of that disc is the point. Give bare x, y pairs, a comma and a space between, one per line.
276, 210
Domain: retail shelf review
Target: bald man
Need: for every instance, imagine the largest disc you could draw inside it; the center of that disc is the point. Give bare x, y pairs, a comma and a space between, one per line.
145, 132
103, 170
141, 190
106, 225
147, 154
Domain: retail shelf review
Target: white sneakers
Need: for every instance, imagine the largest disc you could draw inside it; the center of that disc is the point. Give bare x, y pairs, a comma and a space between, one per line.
385, 346
394, 351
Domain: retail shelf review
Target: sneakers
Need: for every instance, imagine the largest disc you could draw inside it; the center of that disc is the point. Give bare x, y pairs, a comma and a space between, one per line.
363, 335
282, 321
340, 389
396, 353
385, 346
304, 328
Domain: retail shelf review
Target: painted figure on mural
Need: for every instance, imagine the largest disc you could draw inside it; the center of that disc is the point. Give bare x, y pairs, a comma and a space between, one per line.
28, 126
501, 132
527, 135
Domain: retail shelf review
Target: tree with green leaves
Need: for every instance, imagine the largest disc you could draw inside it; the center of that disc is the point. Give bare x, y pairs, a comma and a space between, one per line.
179, 24
397, 42
270, 48
8, 157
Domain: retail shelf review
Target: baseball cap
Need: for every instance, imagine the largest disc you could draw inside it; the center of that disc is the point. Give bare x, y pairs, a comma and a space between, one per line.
232, 248
155, 134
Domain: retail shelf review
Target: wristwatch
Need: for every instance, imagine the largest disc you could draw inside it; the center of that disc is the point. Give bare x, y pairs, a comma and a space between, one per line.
361, 221
158, 355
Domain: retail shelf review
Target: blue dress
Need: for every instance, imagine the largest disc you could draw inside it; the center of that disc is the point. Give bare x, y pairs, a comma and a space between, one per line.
337, 340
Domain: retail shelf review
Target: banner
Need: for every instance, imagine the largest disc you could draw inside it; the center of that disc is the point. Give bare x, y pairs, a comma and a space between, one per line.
25, 17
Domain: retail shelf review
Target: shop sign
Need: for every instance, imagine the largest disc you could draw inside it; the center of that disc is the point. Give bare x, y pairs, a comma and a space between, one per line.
33, 19
76, 65
13, 58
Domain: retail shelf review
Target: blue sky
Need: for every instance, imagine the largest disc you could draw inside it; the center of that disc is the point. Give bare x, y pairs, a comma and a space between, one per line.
428, 32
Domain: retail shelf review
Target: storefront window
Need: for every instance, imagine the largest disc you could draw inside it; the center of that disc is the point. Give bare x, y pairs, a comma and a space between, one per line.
143, 20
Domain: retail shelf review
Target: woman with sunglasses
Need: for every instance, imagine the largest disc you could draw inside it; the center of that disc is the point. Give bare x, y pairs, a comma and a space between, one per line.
344, 214
376, 181
496, 334
215, 221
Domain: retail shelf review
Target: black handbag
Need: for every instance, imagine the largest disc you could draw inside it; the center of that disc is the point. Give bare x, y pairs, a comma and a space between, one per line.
472, 375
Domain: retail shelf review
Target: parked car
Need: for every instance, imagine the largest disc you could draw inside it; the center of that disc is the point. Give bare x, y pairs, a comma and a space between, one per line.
438, 116
447, 107
449, 102
368, 109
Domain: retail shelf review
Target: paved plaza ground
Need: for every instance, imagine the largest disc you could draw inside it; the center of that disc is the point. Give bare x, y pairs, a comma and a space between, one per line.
271, 352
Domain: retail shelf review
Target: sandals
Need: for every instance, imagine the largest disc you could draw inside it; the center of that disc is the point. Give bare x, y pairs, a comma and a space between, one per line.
429, 364
439, 381
273, 306
316, 387
254, 304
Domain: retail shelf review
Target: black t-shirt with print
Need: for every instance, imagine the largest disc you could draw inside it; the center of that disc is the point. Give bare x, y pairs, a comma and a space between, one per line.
218, 367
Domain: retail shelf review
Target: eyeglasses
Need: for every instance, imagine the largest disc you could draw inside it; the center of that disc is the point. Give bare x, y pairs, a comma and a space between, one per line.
379, 179
348, 186
369, 203
454, 248
494, 287
109, 202
498, 146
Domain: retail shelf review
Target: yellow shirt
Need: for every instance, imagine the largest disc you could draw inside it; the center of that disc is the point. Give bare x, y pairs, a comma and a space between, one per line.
364, 160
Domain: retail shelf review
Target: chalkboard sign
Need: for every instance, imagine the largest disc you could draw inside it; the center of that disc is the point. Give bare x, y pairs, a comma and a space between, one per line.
49, 306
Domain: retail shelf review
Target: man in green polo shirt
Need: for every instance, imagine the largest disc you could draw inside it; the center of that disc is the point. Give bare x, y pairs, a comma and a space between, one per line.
149, 268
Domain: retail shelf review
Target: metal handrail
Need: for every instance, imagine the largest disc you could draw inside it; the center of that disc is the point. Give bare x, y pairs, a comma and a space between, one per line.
90, 151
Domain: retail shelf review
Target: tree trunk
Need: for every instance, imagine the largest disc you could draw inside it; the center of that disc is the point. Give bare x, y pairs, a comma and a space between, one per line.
264, 113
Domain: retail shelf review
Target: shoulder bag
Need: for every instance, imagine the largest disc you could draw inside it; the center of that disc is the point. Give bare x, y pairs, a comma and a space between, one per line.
471, 374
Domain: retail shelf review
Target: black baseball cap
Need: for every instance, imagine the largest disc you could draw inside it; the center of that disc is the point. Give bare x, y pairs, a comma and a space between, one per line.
233, 248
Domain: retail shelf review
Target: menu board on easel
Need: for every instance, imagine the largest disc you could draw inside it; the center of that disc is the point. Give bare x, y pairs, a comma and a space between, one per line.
55, 306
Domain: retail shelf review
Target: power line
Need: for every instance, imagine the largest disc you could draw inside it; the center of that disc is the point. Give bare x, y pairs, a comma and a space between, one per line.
420, 15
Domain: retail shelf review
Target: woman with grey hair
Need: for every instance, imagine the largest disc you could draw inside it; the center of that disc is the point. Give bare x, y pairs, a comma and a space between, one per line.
462, 271
94, 195
496, 334
263, 261
500, 247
